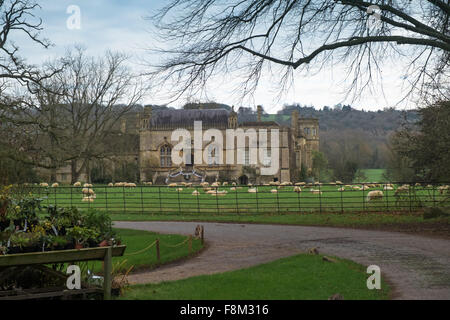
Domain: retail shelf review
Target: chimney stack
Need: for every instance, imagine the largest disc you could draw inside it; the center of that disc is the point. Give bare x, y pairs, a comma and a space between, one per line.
294, 120
259, 110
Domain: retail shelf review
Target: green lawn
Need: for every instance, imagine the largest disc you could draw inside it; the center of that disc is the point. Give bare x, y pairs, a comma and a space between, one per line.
171, 201
137, 240
374, 175
299, 277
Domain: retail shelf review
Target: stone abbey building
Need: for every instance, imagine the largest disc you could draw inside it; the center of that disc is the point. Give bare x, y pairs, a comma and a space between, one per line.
295, 146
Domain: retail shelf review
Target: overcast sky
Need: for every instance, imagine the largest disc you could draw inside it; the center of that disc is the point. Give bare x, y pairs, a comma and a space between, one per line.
120, 25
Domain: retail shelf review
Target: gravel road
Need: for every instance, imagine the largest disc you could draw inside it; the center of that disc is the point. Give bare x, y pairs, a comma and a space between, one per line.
418, 267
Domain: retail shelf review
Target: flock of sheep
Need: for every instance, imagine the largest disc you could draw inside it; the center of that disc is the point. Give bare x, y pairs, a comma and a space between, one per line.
212, 189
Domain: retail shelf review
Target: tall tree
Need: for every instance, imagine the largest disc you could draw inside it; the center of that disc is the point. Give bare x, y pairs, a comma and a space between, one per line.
423, 146
18, 18
71, 117
210, 37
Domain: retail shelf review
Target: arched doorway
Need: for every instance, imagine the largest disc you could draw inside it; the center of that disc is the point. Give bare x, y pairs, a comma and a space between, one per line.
243, 179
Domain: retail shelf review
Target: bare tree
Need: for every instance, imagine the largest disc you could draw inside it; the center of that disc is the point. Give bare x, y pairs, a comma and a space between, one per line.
70, 116
18, 18
209, 37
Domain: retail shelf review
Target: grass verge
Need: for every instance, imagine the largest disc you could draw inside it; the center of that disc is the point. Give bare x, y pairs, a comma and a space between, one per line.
137, 240
300, 277
410, 223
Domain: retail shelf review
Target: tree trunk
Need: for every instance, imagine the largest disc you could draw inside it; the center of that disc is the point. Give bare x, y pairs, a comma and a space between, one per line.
75, 174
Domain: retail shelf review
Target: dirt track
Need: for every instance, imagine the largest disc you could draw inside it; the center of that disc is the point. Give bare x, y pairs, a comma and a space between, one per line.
418, 267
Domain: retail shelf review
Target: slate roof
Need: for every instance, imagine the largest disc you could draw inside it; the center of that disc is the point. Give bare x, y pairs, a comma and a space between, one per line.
185, 118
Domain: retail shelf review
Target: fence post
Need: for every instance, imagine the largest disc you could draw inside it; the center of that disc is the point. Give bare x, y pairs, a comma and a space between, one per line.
217, 200
159, 196
198, 200
202, 235
236, 196
142, 201
158, 254
179, 204
106, 198
190, 244
320, 199
278, 201
124, 201
107, 274
364, 203
387, 197
410, 195
256, 195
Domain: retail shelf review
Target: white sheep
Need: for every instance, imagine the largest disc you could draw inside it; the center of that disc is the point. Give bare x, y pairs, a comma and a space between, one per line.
315, 191
77, 184
375, 194
274, 191
195, 193
252, 190
55, 185
44, 184
297, 189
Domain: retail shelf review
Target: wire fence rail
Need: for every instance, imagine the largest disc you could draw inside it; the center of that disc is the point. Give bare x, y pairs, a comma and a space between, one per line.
257, 199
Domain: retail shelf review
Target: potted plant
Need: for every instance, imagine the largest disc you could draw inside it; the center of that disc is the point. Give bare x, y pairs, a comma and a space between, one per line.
81, 235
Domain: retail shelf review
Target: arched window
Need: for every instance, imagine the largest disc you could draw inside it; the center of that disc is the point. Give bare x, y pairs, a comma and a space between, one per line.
165, 156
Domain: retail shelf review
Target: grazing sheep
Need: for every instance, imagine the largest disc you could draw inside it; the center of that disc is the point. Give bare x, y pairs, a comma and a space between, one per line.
365, 187
87, 185
44, 184
274, 191
88, 191
252, 190
234, 183
402, 189
338, 182
315, 191
375, 194
388, 188
356, 188
297, 189
442, 189
195, 193
341, 189
180, 189
55, 185
215, 184
110, 184
172, 185
332, 183
130, 185
225, 183
232, 189
300, 183
88, 199
77, 184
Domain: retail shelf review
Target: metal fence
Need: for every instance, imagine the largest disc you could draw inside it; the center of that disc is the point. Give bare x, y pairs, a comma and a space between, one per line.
261, 199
